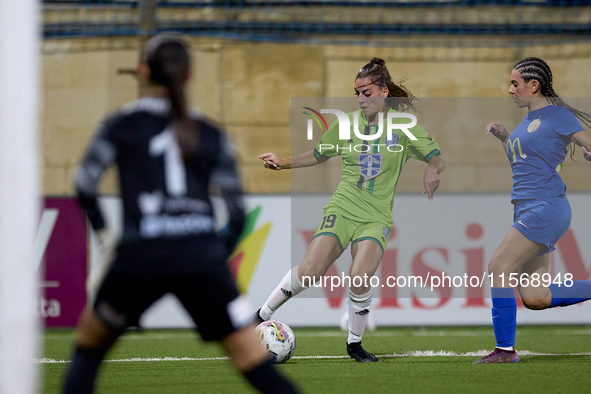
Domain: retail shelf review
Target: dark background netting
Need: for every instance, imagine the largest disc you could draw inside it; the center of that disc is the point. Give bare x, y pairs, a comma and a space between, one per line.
443, 22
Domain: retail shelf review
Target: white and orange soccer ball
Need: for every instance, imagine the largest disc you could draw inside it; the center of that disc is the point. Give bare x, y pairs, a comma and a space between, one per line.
278, 339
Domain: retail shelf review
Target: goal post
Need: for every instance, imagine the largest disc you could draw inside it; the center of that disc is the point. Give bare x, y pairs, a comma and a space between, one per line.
19, 194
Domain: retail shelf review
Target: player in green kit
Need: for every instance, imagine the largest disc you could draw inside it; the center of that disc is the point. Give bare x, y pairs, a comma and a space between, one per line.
360, 210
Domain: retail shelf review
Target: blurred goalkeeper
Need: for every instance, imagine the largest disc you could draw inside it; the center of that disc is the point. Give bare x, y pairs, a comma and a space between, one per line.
166, 160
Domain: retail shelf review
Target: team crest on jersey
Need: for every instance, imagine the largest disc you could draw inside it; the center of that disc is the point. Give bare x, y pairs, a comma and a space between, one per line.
370, 165
392, 142
533, 126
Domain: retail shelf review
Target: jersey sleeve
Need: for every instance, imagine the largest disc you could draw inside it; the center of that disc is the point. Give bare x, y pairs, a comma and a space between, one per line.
566, 123
225, 176
327, 147
100, 154
424, 147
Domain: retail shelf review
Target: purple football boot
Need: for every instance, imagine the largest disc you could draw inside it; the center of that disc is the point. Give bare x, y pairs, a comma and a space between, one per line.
499, 356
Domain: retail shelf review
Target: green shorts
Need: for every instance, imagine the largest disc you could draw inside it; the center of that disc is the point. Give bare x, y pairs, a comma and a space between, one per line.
348, 231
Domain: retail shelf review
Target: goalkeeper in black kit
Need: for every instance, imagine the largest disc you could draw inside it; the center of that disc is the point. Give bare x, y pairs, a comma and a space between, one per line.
167, 159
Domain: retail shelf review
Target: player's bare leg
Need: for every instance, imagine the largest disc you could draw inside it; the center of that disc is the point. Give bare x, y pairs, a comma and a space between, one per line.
544, 291
510, 257
367, 255
536, 295
321, 253
93, 333
244, 349
561, 291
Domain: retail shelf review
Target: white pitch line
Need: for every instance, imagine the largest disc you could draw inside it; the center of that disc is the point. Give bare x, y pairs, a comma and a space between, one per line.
415, 353
573, 332
451, 334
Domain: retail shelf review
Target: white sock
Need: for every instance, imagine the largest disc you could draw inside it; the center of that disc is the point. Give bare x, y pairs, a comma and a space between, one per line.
359, 307
290, 286
507, 349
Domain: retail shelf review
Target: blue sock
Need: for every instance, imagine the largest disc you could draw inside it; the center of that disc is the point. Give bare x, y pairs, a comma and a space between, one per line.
563, 296
504, 315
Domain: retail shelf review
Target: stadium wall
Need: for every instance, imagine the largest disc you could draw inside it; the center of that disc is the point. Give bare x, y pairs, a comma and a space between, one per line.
247, 87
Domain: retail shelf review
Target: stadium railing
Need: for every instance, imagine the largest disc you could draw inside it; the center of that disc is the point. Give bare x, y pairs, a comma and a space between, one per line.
315, 20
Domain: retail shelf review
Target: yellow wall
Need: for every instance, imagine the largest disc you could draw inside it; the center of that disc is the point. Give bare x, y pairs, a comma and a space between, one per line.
248, 88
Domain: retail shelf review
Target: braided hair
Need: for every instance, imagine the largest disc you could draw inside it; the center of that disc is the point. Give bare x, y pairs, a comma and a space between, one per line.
535, 68
399, 97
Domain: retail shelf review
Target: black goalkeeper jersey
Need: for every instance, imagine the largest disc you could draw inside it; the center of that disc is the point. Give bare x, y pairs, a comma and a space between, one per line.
163, 195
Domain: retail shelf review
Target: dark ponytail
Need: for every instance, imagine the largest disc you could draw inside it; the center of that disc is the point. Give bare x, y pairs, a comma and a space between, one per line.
535, 68
399, 97
168, 59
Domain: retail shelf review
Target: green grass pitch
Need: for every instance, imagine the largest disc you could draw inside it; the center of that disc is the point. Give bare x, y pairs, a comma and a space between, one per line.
555, 359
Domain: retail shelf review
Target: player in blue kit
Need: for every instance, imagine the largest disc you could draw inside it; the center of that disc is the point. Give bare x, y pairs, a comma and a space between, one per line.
536, 149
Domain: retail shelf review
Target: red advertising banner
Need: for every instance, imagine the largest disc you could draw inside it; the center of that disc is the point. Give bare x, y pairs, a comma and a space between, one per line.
61, 251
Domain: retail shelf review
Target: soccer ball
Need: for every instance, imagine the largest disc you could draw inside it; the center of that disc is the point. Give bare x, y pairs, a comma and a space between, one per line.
278, 340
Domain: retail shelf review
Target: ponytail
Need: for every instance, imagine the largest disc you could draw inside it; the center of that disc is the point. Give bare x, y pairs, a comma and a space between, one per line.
168, 59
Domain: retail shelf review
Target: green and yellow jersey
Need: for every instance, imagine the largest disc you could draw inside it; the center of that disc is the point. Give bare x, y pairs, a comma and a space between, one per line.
371, 169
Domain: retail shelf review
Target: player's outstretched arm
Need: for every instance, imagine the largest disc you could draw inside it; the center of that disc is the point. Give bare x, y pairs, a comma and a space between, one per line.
582, 138
431, 177
498, 130
273, 162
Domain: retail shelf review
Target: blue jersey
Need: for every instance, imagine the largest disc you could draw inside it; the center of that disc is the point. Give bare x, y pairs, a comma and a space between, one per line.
536, 150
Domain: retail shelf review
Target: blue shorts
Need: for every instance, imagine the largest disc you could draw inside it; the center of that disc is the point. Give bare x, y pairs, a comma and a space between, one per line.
542, 220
